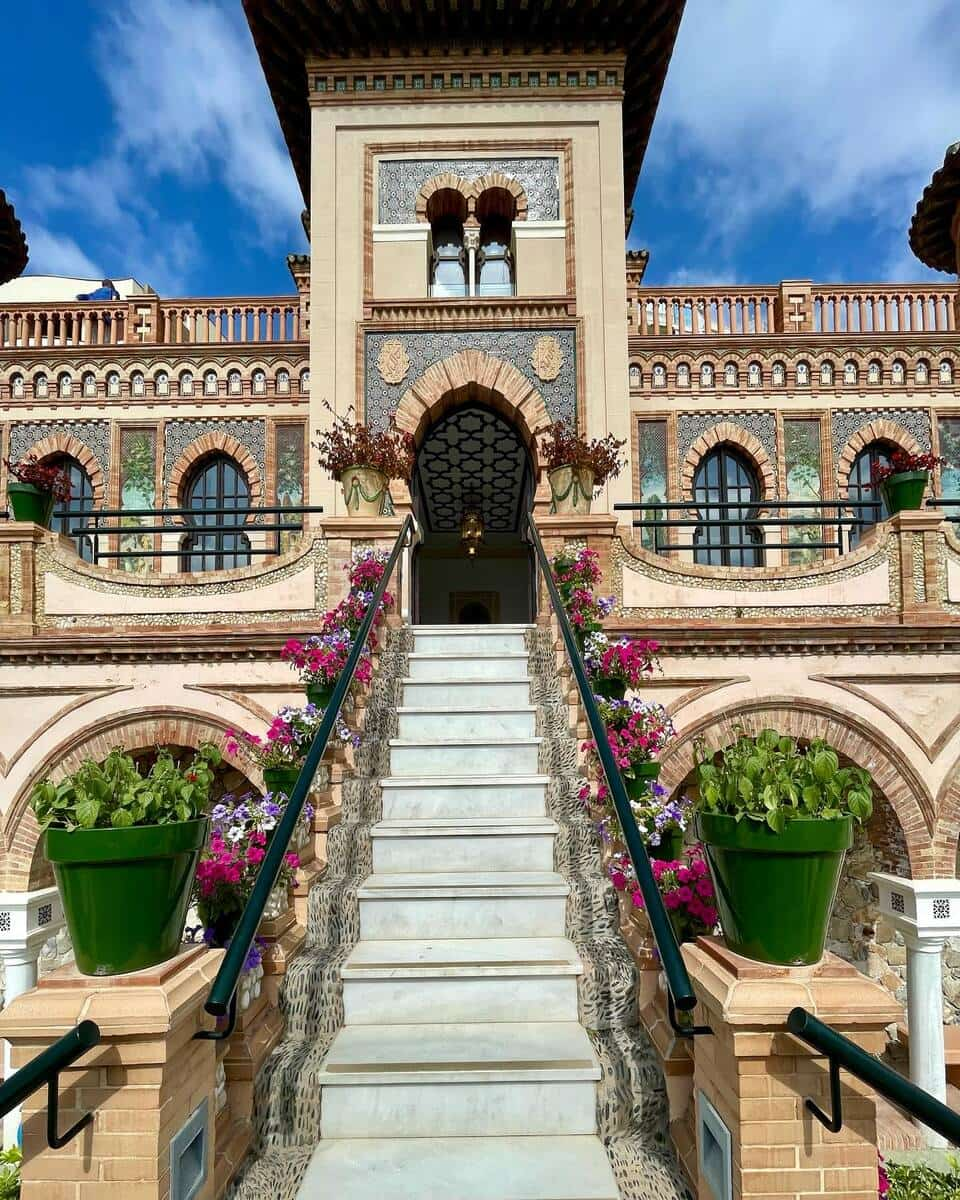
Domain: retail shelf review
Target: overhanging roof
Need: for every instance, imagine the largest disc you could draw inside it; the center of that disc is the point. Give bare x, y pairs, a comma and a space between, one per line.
13, 245
930, 238
287, 32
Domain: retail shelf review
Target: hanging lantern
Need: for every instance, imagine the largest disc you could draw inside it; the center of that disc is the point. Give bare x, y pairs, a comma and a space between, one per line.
471, 531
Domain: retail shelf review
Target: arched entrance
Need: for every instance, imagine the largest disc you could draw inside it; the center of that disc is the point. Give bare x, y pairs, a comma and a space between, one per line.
472, 460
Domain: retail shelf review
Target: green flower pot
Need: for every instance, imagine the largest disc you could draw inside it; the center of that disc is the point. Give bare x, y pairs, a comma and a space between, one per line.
670, 848
610, 689
904, 492
320, 693
280, 779
643, 775
125, 892
29, 503
775, 892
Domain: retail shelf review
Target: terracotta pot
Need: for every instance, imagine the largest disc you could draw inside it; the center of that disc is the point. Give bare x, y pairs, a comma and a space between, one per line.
572, 490
364, 490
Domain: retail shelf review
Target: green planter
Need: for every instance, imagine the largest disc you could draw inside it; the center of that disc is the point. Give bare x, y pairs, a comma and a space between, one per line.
125, 892
320, 693
643, 775
775, 892
670, 848
280, 779
904, 492
610, 689
29, 503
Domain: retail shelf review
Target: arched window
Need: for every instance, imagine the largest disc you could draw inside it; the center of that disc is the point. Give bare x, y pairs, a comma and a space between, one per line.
216, 482
495, 274
683, 375
137, 384
659, 375
779, 374
803, 373
283, 382
448, 268
898, 373
210, 387
161, 383
731, 376
259, 383
16, 387
946, 371
65, 386
850, 373
68, 514
186, 383
234, 386
40, 387
113, 383
922, 372
706, 375
875, 371
305, 380
725, 478
826, 373
89, 383
867, 501
635, 376
754, 375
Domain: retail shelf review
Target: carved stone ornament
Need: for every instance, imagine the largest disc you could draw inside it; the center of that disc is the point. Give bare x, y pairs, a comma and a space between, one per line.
547, 358
392, 361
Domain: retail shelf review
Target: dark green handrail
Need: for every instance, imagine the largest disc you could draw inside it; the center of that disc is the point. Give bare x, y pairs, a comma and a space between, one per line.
45, 1069
220, 999
841, 1052
682, 995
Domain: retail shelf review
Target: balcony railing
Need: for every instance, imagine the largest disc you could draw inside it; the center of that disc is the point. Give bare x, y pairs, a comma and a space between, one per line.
704, 312
879, 309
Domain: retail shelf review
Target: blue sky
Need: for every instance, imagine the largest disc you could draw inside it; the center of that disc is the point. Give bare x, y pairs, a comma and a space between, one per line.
793, 140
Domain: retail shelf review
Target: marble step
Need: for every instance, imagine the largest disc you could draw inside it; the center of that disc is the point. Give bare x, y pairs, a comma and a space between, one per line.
428, 798
448, 722
461, 980
468, 639
504, 1168
451, 1080
466, 693
463, 904
464, 844
467, 757
472, 666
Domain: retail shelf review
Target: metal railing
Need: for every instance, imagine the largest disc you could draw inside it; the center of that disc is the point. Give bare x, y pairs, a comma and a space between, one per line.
45, 1069
841, 1052
221, 1000
680, 991
751, 520
97, 523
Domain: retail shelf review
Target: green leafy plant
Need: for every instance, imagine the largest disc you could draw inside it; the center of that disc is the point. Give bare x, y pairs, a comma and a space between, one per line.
770, 778
116, 793
915, 1181
10, 1160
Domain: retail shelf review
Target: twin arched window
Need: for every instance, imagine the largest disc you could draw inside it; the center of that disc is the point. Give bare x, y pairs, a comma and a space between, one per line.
726, 488
216, 482
472, 259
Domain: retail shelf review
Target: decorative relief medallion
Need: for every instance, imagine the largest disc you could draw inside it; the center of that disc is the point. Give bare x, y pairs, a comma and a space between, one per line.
393, 363
547, 358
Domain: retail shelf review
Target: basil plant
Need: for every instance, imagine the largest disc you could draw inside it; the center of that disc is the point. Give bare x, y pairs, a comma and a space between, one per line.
113, 794
770, 778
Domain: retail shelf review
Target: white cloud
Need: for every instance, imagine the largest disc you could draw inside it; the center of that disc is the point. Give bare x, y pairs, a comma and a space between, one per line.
51, 254
838, 110
701, 277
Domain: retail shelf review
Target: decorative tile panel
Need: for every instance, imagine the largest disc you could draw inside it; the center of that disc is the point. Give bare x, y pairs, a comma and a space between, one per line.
181, 434
846, 422
762, 425
402, 178
95, 435
509, 345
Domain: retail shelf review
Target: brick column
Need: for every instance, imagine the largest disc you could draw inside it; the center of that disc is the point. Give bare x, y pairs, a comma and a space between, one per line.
143, 1082
19, 543
794, 307
919, 536
756, 1076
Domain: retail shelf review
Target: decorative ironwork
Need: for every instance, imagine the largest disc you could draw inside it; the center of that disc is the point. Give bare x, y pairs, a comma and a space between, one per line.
510, 345
402, 178
941, 909
897, 902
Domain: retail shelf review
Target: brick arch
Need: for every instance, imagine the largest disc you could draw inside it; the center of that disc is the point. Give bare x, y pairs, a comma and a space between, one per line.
212, 443
446, 181
904, 790
879, 430
497, 180
24, 865
946, 831
473, 374
744, 441
65, 443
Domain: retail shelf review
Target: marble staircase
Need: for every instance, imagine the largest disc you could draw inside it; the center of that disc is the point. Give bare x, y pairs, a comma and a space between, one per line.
462, 1022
